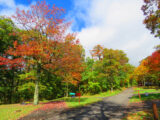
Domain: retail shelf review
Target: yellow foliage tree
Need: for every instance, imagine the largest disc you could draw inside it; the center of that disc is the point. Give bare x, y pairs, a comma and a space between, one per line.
140, 72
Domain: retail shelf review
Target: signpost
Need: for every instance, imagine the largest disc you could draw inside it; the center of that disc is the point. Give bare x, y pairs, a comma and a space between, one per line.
155, 111
75, 94
72, 94
78, 94
139, 95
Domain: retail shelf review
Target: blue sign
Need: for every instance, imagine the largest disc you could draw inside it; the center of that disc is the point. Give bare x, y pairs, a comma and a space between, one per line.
72, 94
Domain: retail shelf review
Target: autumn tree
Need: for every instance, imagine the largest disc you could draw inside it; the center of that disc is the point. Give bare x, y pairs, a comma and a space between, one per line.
43, 41
151, 10
154, 65
113, 62
154, 61
9, 64
141, 71
97, 52
110, 72
70, 65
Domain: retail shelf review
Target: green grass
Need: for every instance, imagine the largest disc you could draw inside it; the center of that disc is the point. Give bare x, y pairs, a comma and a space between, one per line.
105, 94
15, 111
86, 99
74, 102
153, 94
141, 115
146, 90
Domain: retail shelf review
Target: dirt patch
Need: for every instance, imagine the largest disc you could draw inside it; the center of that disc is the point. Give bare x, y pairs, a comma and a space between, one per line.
53, 105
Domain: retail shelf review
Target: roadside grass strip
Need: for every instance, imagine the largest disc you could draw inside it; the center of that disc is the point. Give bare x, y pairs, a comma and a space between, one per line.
15, 111
141, 115
145, 94
87, 99
146, 90
74, 102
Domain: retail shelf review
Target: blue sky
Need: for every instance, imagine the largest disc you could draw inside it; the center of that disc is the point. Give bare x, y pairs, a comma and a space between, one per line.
68, 5
115, 24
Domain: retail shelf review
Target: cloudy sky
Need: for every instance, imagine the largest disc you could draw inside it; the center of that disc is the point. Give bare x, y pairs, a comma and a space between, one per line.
113, 24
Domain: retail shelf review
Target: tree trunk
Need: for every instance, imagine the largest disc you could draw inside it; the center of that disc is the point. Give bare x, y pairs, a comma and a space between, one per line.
111, 89
36, 93
67, 90
144, 83
12, 87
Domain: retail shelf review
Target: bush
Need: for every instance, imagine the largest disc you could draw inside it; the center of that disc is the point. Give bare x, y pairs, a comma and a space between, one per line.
94, 88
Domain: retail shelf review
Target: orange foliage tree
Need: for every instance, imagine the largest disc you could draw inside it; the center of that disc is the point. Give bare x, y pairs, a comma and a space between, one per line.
45, 43
154, 61
141, 71
97, 52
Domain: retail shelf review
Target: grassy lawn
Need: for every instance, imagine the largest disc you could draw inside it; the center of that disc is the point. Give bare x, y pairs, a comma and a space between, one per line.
74, 102
105, 94
141, 115
153, 94
15, 111
85, 99
146, 90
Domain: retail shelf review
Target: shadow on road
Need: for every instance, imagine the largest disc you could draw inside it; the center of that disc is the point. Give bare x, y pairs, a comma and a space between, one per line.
104, 111
98, 111
111, 108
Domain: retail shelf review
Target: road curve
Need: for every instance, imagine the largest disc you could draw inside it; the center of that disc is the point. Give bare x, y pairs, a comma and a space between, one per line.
110, 108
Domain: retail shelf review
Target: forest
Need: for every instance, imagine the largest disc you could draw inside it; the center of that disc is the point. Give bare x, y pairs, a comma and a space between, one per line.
41, 60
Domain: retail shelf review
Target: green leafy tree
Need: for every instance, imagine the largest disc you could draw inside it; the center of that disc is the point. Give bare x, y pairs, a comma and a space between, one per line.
151, 10
8, 73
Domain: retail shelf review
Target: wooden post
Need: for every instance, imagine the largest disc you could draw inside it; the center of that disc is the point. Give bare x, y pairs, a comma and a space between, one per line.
139, 95
155, 111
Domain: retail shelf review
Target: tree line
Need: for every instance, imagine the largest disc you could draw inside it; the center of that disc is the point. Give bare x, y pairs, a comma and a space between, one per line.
40, 59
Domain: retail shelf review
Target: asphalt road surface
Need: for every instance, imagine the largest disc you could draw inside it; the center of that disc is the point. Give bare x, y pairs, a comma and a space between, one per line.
110, 108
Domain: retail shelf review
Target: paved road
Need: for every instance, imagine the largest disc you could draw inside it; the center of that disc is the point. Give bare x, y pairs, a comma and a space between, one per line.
110, 108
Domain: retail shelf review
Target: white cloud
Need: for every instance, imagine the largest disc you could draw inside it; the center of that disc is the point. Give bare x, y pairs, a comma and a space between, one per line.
114, 24
9, 7
8, 3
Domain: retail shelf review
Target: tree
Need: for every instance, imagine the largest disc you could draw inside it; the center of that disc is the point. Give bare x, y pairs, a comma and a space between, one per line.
154, 66
43, 41
97, 52
141, 71
9, 65
110, 68
154, 61
89, 82
70, 67
7, 34
151, 10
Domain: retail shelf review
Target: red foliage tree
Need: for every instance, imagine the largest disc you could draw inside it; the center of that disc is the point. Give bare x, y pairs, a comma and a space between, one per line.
45, 44
151, 10
154, 61
97, 52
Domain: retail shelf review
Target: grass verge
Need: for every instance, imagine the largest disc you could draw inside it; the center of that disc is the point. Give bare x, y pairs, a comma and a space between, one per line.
15, 111
141, 115
146, 94
86, 99
154, 96
146, 90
